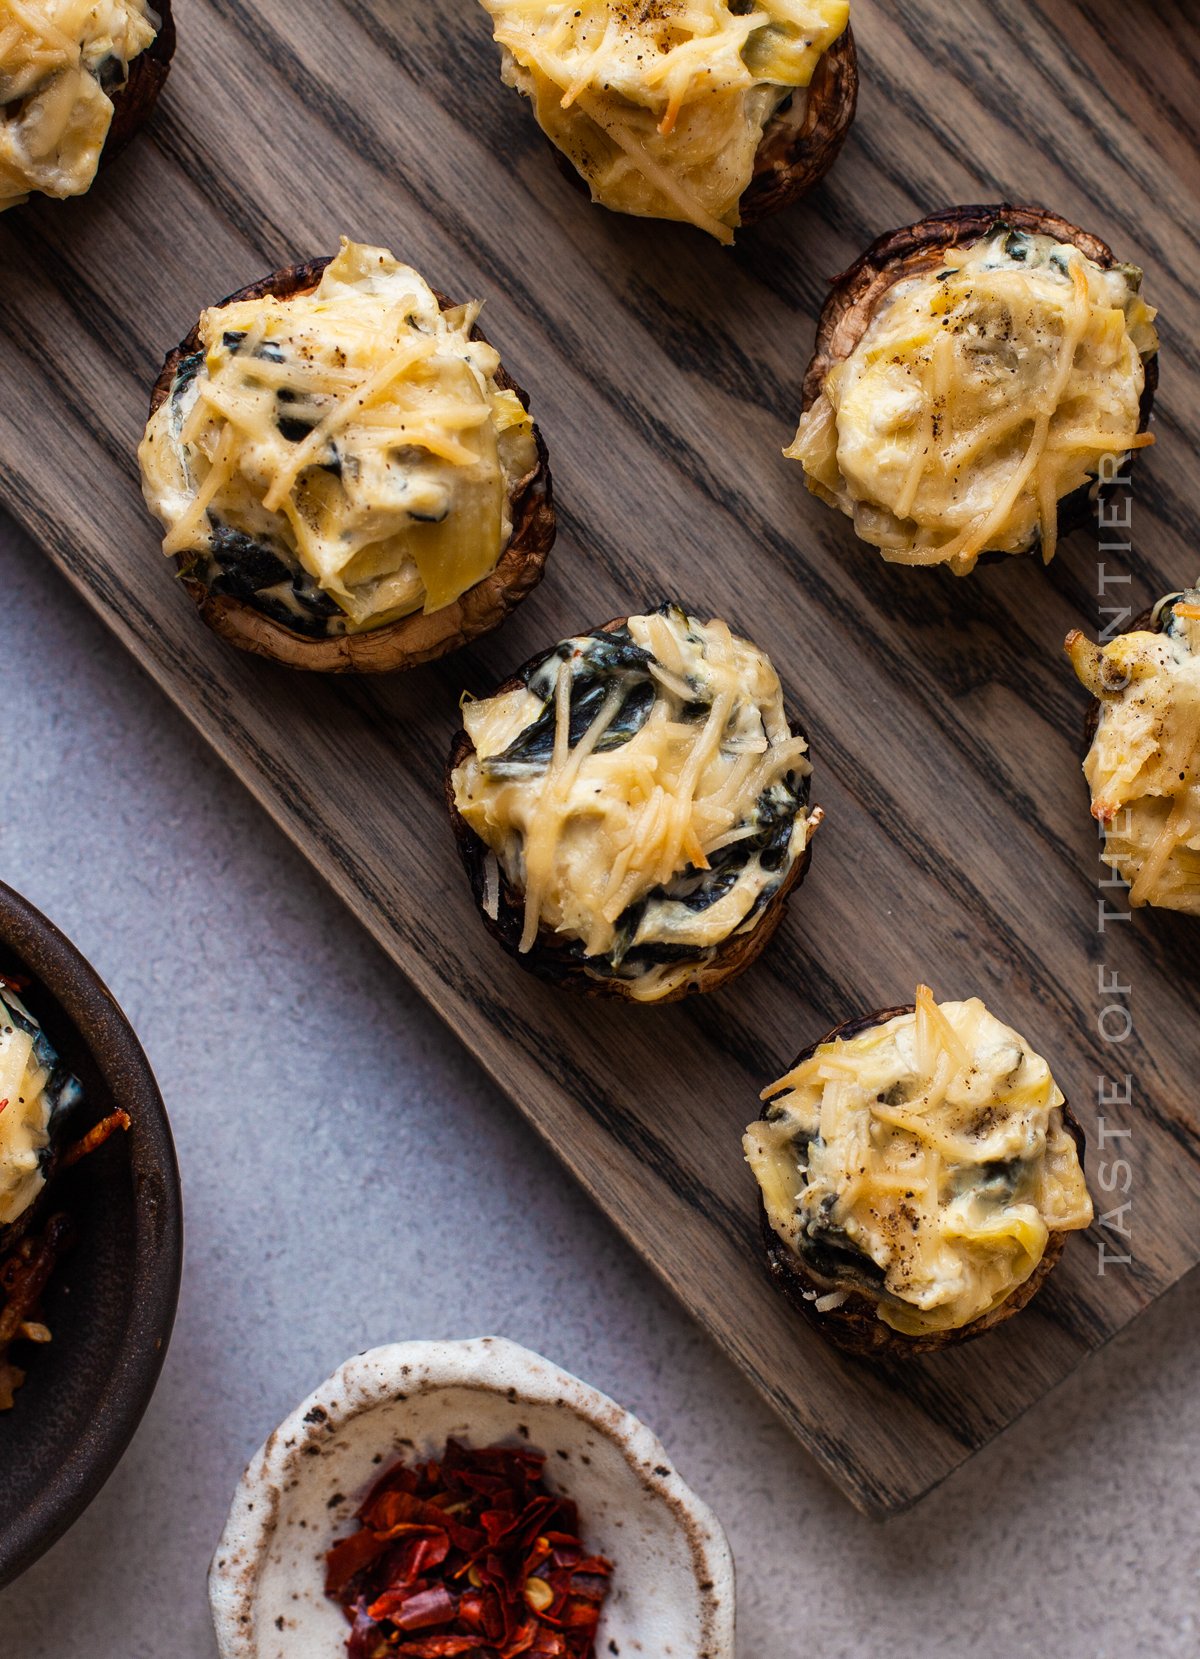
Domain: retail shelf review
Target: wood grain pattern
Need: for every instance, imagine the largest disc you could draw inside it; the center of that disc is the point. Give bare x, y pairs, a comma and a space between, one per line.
665, 374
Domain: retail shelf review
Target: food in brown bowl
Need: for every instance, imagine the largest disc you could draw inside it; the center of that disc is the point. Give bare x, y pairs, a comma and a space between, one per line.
1143, 759
347, 477
40, 1136
90, 1233
632, 807
77, 79
977, 378
919, 1171
713, 112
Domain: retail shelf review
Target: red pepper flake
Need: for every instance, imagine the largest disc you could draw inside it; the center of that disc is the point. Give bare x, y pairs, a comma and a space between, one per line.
3, 1103
469, 1556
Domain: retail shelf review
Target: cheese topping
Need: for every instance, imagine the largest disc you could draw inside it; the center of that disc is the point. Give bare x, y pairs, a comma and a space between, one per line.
343, 457
644, 792
980, 395
661, 104
34, 1088
923, 1163
59, 62
1143, 767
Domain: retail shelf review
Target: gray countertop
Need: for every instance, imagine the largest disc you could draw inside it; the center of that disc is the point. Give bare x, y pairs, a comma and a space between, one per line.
316, 1100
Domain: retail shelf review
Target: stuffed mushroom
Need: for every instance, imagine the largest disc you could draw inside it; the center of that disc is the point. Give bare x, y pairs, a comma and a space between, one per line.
975, 376
713, 112
77, 77
1143, 759
919, 1171
38, 1097
632, 807
347, 477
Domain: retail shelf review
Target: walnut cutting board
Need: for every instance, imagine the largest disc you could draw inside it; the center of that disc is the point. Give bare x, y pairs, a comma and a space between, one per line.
665, 373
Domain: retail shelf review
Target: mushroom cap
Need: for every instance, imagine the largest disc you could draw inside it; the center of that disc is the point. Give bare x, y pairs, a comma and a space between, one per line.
550, 955
855, 1326
413, 639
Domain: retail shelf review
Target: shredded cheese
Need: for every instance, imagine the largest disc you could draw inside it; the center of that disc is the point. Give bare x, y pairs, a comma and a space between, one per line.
1143, 766
661, 104
979, 396
923, 1163
355, 434
658, 826
59, 61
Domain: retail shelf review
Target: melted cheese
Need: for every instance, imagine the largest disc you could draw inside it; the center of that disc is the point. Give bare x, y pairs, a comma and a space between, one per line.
32, 1089
59, 60
661, 104
686, 755
357, 433
931, 1150
979, 396
1143, 768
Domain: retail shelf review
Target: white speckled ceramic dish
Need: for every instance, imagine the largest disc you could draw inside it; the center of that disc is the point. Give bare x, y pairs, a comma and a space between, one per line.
672, 1590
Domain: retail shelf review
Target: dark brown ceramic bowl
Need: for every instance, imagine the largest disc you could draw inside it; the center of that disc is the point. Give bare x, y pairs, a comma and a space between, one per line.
111, 1301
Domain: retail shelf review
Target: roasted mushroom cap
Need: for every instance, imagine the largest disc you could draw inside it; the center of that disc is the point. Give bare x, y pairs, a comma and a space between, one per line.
794, 156
557, 959
856, 296
412, 639
134, 102
855, 1325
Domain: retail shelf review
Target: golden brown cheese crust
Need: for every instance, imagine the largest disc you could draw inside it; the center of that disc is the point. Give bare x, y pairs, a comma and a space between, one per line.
856, 295
413, 639
551, 958
855, 1326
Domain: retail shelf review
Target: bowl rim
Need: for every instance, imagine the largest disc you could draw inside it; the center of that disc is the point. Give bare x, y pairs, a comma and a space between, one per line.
70, 981
489, 1364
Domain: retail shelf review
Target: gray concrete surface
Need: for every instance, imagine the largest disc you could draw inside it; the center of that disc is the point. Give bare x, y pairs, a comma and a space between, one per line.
311, 1093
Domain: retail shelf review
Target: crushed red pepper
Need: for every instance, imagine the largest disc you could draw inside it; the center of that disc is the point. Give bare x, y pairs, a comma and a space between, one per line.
471, 1556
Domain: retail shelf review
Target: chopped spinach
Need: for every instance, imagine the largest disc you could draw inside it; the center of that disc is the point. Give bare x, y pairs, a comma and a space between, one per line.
832, 1255
600, 664
188, 368
269, 578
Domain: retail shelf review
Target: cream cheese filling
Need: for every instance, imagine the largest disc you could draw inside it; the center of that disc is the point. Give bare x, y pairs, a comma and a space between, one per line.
59, 62
33, 1089
923, 1162
1143, 766
661, 104
980, 395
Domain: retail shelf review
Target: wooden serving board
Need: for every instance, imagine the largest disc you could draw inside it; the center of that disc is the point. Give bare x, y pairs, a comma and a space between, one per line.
665, 373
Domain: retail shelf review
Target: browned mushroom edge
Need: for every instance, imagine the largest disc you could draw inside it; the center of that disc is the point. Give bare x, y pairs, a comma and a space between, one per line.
133, 103
792, 157
855, 297
855, 1326
553, 958
413, 639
